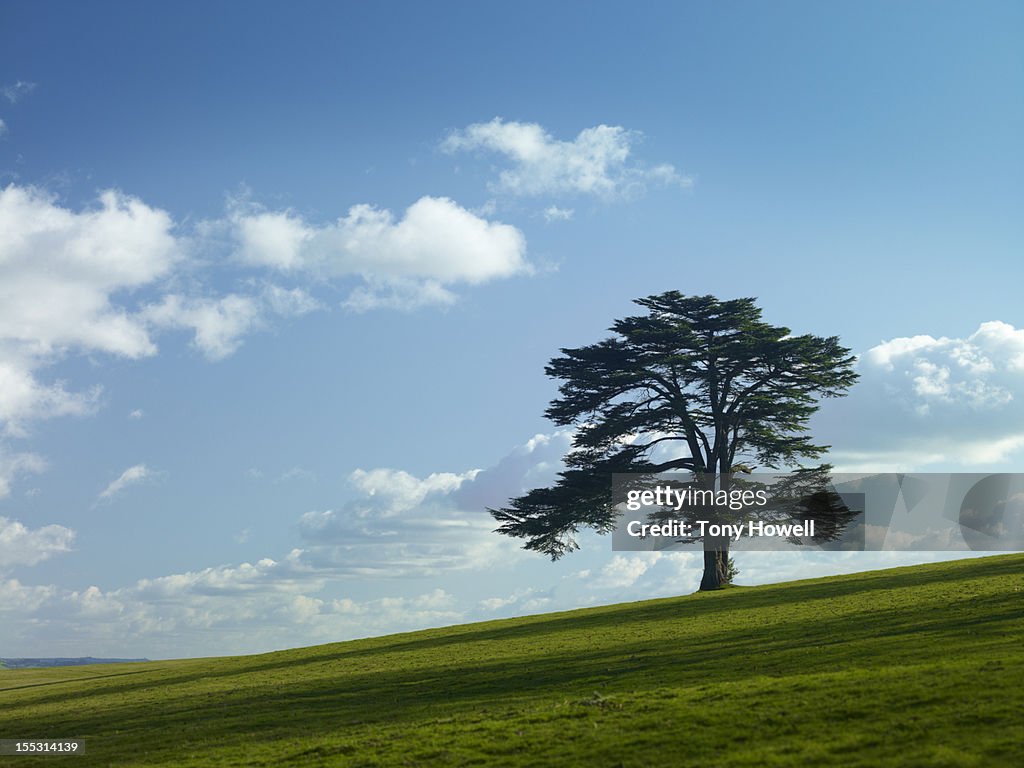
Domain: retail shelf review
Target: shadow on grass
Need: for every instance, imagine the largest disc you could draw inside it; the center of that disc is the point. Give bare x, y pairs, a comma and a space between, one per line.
600, 621
74, 680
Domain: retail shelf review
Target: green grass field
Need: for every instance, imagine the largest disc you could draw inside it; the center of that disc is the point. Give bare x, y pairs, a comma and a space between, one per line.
920, 666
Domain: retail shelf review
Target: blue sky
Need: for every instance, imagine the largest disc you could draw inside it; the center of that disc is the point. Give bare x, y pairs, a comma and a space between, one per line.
278, 284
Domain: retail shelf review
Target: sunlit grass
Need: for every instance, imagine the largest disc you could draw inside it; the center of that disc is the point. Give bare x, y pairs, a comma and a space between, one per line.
912, 666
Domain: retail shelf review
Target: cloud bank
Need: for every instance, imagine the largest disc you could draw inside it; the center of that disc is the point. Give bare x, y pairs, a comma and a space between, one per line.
924, 401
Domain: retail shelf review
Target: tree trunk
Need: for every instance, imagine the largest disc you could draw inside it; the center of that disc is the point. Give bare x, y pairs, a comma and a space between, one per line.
716, 548
716, 563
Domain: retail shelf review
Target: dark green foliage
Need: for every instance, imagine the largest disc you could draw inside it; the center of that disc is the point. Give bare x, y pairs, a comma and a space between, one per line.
704, 376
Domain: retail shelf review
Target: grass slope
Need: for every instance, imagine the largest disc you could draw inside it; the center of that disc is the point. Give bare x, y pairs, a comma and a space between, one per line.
911, 666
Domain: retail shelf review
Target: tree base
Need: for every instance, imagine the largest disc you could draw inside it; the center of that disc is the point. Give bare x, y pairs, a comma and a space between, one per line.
718, 571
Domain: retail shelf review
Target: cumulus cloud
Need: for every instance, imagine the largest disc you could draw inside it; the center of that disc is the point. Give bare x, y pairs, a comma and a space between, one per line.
519, 597
218, 324
20, 599
408, 526
948, 371
266, 575
59, 271
257, 606
161, 609
244, 608
20, 545
130, 476
95, 280
398, 491
23, 398
382, 536
407, 261
924, 401
533, 464
597, 162
624, 570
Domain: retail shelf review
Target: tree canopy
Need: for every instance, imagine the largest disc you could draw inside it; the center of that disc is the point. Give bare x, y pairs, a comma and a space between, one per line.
693, 384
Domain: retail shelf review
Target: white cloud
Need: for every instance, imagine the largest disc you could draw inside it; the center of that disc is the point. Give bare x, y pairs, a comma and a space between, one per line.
516, 598
130, 476
245, 608
263, 576
624, 570
954, 370
398, 491
23, 398
925, 401
59, 270
218, 324
136, 414
597, 162
84, 281
15, 91
403, 525
3, 127
17, 598
13, 465
271, 239
554, 213
407, 261
534, 464
433, 539
20, 545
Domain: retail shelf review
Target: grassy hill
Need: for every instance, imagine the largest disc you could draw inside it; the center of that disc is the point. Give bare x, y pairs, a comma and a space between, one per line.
911, 666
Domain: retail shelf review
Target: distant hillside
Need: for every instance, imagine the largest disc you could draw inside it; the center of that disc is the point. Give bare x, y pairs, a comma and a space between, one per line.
59, 662
920, 666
